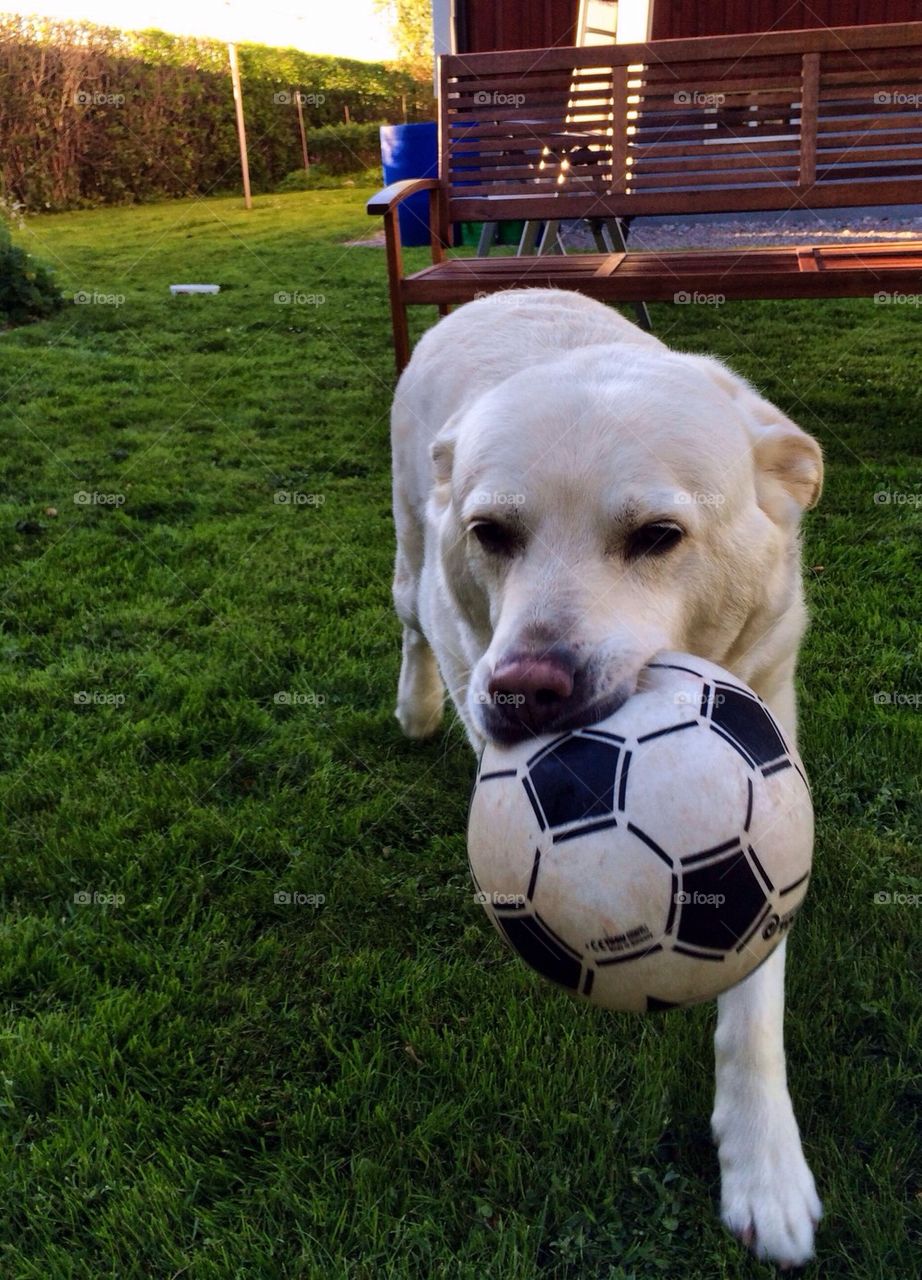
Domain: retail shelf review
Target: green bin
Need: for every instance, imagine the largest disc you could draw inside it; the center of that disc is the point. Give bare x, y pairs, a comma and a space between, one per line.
506, 233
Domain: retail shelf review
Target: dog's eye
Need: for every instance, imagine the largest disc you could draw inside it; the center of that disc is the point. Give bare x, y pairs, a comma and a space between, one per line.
496, 539
653, 539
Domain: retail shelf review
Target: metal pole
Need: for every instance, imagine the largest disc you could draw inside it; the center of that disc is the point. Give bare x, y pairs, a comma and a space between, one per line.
241, 127
307, 163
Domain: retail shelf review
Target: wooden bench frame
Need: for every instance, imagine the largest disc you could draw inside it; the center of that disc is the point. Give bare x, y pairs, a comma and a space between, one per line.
763, 123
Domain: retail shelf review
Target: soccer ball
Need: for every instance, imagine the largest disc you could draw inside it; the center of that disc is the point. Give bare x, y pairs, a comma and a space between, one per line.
656, 858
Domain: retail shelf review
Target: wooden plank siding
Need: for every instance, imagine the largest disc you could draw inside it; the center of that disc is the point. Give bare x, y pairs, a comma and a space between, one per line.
677, 18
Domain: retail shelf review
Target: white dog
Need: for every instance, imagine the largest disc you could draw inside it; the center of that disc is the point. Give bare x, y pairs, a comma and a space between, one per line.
571, 497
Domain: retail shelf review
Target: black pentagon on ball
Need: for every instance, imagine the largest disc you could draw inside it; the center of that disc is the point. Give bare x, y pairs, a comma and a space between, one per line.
748, 724
705, 920
540, 948
573, 779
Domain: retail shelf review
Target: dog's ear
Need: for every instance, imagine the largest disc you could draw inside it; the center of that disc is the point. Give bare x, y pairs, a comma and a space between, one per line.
788, 462
788, 457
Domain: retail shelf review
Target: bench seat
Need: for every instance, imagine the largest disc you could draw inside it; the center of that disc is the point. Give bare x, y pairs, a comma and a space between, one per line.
811, 271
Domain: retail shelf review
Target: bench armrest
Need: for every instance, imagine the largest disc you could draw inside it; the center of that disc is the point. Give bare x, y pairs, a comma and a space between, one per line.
391, 196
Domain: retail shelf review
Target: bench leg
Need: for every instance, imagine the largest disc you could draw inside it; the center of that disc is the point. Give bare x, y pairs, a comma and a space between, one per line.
642, 315
394, 278
528, 239
401, 336
487, 234
615, 243
550, 239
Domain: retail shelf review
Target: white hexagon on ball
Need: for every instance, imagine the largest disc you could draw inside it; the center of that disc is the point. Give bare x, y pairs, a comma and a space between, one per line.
654, 859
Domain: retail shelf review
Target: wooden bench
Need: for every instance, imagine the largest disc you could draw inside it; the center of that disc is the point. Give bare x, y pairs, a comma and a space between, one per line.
820, 119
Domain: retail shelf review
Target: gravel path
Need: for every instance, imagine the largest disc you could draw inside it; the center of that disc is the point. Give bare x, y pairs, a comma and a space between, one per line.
888, 224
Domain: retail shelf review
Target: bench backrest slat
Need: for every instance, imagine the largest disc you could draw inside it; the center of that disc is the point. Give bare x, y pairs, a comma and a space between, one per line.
790, 119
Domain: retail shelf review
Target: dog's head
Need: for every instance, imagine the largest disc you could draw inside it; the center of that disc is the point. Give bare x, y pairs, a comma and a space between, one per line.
607, 506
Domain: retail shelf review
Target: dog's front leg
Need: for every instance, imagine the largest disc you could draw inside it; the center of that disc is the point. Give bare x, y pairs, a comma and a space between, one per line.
768, 1198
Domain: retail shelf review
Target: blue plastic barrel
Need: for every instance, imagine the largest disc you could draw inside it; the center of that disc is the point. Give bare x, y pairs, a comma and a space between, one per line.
411, 151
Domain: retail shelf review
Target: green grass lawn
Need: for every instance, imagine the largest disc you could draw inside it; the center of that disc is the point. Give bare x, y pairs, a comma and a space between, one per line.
202, 1079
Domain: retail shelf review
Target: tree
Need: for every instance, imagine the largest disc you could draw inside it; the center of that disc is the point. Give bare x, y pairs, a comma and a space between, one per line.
411, 28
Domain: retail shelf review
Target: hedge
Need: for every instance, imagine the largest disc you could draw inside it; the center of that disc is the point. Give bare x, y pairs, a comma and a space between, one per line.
345, 148
91, 115
27, 290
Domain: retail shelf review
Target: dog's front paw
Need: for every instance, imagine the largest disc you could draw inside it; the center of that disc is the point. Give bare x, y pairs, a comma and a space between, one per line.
421, 718
768, 1197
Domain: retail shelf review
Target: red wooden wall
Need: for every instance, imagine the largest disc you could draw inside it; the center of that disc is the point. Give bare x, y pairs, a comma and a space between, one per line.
725, 17
484, 25
538, 24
